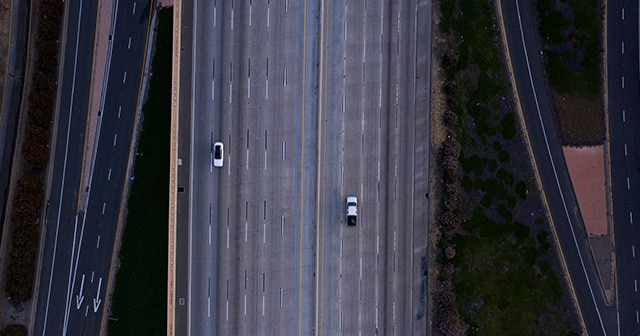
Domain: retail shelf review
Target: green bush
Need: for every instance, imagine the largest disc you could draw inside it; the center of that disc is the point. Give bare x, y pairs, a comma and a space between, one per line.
14, 330
27, 201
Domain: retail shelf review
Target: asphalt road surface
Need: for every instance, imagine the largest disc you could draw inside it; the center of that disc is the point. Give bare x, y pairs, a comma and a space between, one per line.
525, 56
375, 146
80, 240
304, 124
624, 118
251, 221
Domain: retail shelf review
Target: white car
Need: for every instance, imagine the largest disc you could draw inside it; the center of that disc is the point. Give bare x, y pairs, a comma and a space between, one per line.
218, 154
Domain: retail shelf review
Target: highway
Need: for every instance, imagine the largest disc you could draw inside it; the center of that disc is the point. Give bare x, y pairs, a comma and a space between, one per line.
81, 223
313, 101
551, 167
375, 146
250, 233
624, 141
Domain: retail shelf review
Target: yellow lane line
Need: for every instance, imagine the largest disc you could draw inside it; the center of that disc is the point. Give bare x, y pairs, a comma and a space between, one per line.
322, 129
304, 65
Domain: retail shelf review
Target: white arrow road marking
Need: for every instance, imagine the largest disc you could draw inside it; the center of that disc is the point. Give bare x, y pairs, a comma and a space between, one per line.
97, 300
80, 297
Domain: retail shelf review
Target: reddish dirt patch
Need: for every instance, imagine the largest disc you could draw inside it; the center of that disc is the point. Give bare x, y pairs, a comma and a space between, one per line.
586, 168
